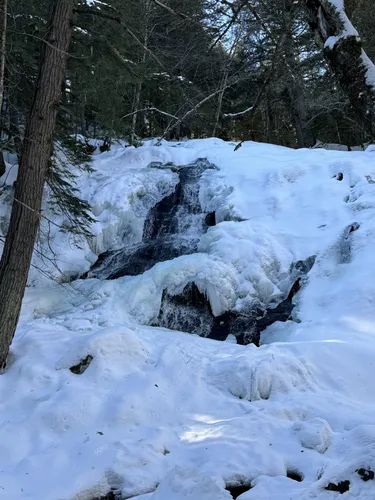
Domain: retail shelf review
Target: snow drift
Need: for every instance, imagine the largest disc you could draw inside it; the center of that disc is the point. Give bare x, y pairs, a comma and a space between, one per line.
160, 414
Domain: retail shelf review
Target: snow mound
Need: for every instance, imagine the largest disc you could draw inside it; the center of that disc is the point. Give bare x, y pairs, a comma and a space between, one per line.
111, 349
190, 484
261, 374
315, 434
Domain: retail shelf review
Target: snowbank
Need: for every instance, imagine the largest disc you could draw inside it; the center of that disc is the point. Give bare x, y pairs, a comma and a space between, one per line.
167, 415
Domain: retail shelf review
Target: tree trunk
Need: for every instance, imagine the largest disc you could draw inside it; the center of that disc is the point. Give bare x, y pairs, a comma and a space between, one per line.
3, 30
137, 96
342, 48
138, 87
305, 138
223, 85
36, 151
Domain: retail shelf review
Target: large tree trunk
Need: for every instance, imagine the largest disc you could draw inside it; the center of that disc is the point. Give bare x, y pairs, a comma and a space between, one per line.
36, 151
343, 49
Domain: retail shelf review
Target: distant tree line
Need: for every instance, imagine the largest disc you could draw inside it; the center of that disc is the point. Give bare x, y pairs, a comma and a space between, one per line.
183, 68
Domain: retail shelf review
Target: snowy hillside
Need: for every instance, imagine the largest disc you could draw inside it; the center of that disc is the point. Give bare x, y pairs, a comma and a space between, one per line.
101, 400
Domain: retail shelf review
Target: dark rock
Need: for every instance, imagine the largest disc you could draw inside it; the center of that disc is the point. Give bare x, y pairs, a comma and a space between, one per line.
109, 496
340, 176
236, 489
139, 258
82, 365
295, 475
304, 266
345, 243
366, 474
191, 312
354, 227
210, 219
341, 487
244, 328
106, 145
2, 164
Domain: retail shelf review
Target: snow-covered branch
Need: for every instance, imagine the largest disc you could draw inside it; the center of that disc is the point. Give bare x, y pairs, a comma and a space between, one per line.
240, 113
343, 50
332, 33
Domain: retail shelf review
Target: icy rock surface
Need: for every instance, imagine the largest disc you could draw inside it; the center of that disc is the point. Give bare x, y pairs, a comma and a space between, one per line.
172, 228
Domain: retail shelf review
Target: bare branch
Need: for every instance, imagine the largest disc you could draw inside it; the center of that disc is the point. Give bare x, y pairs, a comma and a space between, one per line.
170, 10
270, 74
149, 109
235, 13
127, 62
244, 112
172, 126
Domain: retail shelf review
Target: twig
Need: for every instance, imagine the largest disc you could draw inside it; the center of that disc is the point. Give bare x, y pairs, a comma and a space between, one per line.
170, 10
235, 13
149, 109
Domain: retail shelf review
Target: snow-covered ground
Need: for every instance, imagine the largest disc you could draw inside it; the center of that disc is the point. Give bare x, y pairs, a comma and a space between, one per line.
164, 415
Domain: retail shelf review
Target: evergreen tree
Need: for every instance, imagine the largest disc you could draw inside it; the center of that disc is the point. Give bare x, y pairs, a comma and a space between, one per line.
36, 152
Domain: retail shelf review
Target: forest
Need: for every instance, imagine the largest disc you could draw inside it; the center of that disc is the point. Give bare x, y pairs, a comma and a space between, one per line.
246, 70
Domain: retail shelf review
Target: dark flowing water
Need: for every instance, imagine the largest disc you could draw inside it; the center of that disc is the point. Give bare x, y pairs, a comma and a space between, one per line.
172, 228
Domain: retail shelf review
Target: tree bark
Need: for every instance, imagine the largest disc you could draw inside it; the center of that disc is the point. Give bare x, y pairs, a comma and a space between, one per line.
343, 50
36, 151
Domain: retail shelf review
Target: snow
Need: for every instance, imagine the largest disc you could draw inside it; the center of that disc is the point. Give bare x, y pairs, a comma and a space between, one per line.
164, 415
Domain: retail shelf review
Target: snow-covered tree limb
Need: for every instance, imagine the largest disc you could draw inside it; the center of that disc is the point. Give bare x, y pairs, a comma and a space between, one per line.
239, 113
343, 49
